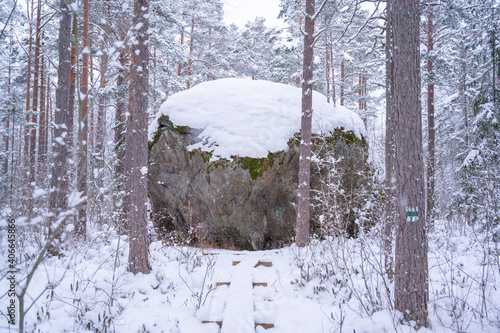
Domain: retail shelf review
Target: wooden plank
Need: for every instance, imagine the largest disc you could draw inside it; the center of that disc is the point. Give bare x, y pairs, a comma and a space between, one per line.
265, 326
259, 284
218, 284
212, 322
264, 263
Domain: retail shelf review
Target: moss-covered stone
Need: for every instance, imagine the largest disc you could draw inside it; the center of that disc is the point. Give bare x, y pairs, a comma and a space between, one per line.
256, 166
156, 136
242, 202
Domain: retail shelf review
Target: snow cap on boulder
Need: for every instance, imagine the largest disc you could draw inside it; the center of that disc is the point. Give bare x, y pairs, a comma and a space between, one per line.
250, 118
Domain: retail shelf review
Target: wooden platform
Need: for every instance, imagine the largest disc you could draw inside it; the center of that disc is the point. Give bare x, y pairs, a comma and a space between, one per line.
236, 310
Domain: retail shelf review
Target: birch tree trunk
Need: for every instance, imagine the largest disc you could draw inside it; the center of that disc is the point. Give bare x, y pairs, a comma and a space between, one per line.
411, 276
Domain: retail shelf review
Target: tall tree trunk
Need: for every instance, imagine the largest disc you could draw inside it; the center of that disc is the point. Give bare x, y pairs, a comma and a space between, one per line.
334, 97
42, 143
327, 66
36, 82
191, 48
101, 116
303, 212
361, 99
342, 80
179, 70
81, 226
411, 276
120, 111
389, 146
301, 21
7, 119
72, 88
28, 92
493, 38
431, 131
62, 120
136, 154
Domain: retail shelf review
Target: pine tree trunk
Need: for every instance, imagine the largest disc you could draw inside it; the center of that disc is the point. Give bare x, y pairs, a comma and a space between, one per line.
120, 127
327, 66
303, 210
334, 97
28, 92
121, 107
42, 144
36, 82
136, 154
62, 118
81, 226
179, 70
72, 88
411, 276
191, 48
342, 80
431, 131
7, 119
389, 147
101, 116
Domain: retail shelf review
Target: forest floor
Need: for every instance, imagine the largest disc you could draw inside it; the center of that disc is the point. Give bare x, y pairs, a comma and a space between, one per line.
330, 286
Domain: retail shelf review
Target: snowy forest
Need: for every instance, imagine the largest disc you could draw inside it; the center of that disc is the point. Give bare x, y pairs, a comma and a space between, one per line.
164, 171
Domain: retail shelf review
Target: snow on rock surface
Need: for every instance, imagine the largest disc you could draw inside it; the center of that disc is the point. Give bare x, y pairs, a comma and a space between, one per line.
250, 118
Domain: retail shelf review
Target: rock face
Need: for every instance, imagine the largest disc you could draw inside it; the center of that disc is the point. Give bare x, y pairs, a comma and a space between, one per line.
245, 203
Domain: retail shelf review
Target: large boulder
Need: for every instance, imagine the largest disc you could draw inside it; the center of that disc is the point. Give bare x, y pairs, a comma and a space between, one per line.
243, 202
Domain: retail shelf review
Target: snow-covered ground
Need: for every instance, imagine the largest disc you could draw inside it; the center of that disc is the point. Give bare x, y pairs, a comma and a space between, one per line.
330, 286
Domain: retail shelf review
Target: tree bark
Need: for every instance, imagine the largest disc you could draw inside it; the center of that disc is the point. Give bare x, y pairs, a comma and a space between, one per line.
191, 48
7, 119
72, 88
28, 92
327, 65
81, 226
334, 97
179, 69
342, 80
63, 121
121, 107
136, 154
101, 116
42, 143
36, 82
411, 276
303, 210
389, 147
431, 131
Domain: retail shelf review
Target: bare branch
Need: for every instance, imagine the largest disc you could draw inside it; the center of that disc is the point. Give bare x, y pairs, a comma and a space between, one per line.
319, 11
8, 19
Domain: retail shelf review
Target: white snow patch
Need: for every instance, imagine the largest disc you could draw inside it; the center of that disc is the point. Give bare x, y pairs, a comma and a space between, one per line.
75, 198
144, 170
250, 118
38, 192
70, 227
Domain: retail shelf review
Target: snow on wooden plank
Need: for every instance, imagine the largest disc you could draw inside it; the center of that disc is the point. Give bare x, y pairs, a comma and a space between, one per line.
239, 312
